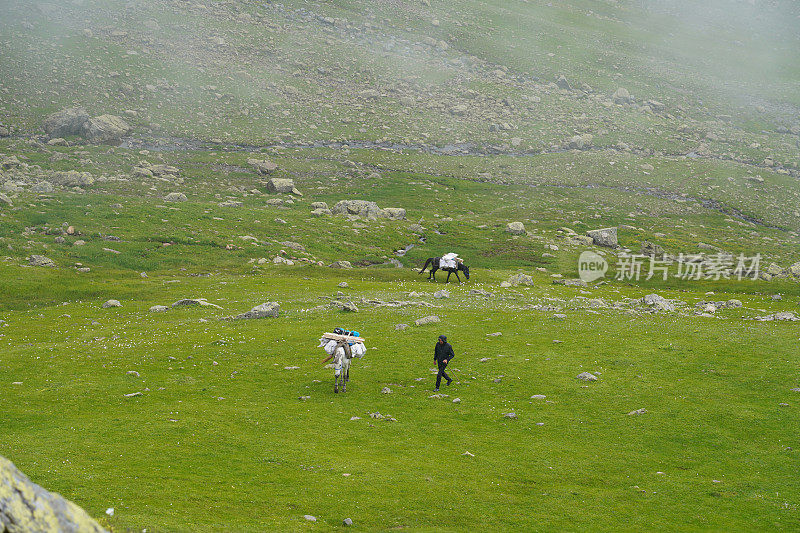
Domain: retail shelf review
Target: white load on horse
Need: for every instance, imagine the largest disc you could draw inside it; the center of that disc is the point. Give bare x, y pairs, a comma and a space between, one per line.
342, 346
450, 260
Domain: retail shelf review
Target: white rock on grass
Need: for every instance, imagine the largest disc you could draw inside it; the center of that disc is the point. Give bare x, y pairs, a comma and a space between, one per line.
111, 303
638, 412
386, 390
586, 376
159, 309
175, 197
432, 319
538, 397
310, 518
443, 293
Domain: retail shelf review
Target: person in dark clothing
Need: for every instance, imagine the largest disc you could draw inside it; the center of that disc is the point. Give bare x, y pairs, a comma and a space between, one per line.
442, 354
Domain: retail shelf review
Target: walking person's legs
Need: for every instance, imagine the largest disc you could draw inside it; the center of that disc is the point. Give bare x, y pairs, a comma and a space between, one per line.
442, 374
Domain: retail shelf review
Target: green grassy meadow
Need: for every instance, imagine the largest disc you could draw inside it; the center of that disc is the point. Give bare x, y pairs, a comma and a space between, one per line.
455, 111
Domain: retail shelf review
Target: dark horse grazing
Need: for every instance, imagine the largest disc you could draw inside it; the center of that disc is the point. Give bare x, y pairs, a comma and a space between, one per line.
434, 263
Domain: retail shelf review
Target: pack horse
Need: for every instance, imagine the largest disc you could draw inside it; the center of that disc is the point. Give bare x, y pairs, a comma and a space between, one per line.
450, 263
342, 348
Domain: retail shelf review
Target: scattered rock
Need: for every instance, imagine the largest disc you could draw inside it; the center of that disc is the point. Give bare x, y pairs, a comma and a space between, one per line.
347, 522
586, 376
433, 319
622, 96
159, 309
538, 397
441, 294
562, 83
25, 506
604, 237
310, 518
386, 390
515, 228
40, 261
346, 306
107, 129
282, 185
66, 122
187, 302
638, 412
520, 279
265, 310
400, 327
111, 303
511, 415
175, 197
341, 264
263, 167
133, 373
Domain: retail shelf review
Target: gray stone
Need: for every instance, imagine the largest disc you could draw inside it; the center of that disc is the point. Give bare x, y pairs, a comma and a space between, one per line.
347, 522
622, 96
586, 376
394, 213
187, 302
520, 279
6, 200
319, 205
341, 264
111, 303
443, 293
40, 261
346, 306
648, 249
400, 327
362, 208
515, 228
175, 197
66, 122
538, 397
281, 185
263, 167
512, 415
432, 319
265, 310
310, 518
106, 129
25, 506
562, 83
657, 302
638, 412
159, 309
386, 390
43, 187
604, 237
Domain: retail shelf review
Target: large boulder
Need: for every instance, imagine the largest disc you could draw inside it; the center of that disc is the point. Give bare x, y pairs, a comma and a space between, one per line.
25, 506
66, 122
40, 261
175, 197
649, 249
284, 185
604, 237
794, 270
622, 96
362, 208
108, 129
394, 213
515, 228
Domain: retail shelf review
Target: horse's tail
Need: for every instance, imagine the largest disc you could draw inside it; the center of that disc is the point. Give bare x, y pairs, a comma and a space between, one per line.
428, 262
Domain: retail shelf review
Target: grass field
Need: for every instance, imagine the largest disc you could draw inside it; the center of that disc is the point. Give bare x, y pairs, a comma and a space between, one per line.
219, 440
455, 112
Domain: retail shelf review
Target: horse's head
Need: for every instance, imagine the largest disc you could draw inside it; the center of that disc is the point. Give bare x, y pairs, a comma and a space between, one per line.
466, 271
